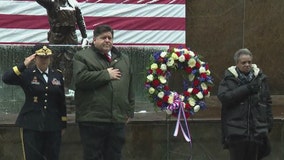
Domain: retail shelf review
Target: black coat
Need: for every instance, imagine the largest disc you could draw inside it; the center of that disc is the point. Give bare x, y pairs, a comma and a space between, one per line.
44, 108
243, 113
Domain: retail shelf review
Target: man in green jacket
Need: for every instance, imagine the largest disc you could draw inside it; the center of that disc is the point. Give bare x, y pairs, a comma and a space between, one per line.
103, 95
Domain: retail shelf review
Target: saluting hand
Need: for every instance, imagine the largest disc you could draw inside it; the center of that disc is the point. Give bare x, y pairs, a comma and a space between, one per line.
29, 59
114, 73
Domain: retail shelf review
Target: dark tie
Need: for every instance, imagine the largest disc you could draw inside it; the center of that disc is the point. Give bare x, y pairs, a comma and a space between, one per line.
108, 57
45, 76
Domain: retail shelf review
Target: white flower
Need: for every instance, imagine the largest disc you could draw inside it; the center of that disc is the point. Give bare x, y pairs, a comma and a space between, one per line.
189, 90
170, 62
151, 90
181, 97
196, 108
192, 62
171, 99
177, 50
163, 54
199, 95
208, 72
191, 77
191, 101
174, 56
154, 66
162, 79
204, 86
161, 94
202, 70
191, 53
150, 77
181, 58
163, 67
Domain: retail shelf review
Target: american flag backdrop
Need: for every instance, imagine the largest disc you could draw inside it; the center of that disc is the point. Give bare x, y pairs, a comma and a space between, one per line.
135, 22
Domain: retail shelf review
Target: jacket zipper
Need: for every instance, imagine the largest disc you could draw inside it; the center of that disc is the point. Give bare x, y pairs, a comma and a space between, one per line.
248, 121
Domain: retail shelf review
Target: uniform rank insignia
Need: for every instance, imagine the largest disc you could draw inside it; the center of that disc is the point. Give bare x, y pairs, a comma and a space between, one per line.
55, 82
35, 81
35, 99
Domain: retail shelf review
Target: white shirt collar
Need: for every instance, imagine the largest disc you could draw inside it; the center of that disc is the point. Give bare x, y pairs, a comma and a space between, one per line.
46, 71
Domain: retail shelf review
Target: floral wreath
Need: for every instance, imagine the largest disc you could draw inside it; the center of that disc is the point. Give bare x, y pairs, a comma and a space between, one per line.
196, 85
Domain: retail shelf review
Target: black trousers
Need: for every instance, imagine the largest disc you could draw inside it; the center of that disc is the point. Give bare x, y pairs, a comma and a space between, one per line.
243, 150
41, 145
102, 141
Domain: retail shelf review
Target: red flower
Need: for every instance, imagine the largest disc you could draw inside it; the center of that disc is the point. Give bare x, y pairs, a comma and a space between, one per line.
187, 57
159, 71
161, 59
197, 65
177, 53
196, 82
205, 92
155, 83
166, 88
159, 103
165, 98
186, 93
195, 91
203, 75
188, 69
187, 106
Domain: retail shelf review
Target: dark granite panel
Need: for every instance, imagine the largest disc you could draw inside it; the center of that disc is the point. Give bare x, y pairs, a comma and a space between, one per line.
216, 29
149, 141
264, 35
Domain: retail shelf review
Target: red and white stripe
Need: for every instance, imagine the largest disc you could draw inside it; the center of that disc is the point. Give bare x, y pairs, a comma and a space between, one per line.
135, 22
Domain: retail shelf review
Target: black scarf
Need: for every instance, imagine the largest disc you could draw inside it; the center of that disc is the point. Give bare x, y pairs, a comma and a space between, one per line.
245, 78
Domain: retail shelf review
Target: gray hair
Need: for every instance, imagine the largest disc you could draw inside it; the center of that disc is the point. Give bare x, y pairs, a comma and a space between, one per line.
243, 51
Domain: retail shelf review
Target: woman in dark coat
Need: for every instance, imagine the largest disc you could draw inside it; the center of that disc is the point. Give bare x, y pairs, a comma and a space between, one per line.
246, 108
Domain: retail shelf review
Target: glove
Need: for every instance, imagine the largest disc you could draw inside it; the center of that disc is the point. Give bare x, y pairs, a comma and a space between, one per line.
85, 42
254, 87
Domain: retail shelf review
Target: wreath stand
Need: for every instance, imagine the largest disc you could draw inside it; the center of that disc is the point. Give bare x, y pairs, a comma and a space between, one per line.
168, 134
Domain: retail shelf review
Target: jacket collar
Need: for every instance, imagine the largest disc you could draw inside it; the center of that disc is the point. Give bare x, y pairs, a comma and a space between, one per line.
113, 51
232, 70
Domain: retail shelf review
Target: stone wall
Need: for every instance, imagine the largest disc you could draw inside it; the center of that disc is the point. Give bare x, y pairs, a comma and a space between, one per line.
152, 140
217, 29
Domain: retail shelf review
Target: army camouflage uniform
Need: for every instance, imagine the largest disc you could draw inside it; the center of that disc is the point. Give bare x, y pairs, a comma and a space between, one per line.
63, 18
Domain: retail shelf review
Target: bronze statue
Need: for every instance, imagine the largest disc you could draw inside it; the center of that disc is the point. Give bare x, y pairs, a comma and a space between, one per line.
63, 17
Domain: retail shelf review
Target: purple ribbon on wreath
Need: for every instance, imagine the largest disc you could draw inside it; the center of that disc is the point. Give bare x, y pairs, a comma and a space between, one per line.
178, 104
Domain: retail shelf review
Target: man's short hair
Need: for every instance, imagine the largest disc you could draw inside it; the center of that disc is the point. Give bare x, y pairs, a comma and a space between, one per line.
98, 30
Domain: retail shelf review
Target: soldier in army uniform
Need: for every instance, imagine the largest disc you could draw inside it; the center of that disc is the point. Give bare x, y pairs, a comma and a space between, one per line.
42, 119
64, 16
